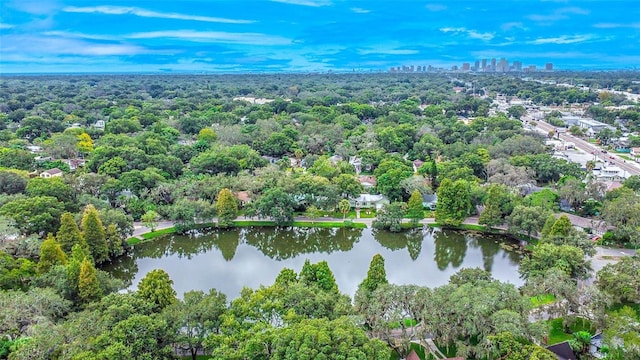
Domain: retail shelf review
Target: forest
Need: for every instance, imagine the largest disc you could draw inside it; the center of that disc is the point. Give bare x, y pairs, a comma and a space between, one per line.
83, 158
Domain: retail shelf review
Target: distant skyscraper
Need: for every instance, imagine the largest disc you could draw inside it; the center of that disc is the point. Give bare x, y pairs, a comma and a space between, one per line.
466, 66
493, 64
548, 67
476, 66
503, 65
517, 66
484, 64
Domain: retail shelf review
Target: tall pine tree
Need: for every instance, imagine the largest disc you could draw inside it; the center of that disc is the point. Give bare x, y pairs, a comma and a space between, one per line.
69, 234
454, 202
94, 235
415, 210
88, 285
51, 254
114, 241
227, 207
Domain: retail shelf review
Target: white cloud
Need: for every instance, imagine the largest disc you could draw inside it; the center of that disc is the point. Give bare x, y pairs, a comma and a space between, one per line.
360, 10
6, 26
472, 34
435, 7
388, 52
312, 3
35, 7
124, 10
213, 37
559, 14
512, 25
564, 39
46, 46
73, 35
616, 25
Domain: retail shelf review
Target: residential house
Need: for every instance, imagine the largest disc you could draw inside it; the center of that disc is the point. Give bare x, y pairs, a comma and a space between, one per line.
55, 172
99, 124
563, 351
270, 159
611, 172
412, 356
416, 165
429, 201
368, 201
356, 162
367, 182
74, 163
635, 153
335, 159
243, 198
34, 149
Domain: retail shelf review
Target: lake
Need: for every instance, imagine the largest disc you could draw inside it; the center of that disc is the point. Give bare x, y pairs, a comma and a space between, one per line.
229, 260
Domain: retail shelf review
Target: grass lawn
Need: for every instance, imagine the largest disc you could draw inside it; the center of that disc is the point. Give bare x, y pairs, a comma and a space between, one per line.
537, 301
626, 157
320, 224
327, 224
557, 334
133, 241
155, 234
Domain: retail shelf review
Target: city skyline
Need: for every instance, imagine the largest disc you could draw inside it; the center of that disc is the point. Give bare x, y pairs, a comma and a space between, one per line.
53, 36
480, 65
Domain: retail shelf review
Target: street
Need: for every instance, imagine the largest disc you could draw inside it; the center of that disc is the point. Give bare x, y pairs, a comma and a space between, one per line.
628, 166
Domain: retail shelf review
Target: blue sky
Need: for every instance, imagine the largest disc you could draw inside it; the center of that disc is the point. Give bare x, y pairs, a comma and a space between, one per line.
312, 35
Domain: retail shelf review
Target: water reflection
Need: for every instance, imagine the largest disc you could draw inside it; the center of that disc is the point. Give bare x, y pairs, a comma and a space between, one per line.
230, 260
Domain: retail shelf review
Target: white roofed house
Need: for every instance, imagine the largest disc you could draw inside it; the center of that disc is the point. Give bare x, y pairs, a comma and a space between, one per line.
368, 201
611, 172
48, 174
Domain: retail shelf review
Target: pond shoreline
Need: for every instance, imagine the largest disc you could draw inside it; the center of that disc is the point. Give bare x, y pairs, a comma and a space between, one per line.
169, 227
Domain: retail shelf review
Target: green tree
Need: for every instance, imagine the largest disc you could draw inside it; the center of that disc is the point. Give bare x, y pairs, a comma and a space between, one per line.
622, 333
277, 205
319, 275
197, 317
51, 254
208, 135
415, 210
138, 337
156, 288
15, 273
390, 217
114, 241
88, 286
348, 185
35, 215
94, 235
621, 280
562, 227
325, 339
492, 214
11, 182
344, 206
69, 234
227, 207
454, 202
313, 213
545, 256
150, 219
527, 219
376, 275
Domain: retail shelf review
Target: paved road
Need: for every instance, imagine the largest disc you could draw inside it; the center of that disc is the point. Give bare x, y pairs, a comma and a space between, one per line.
628, 166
